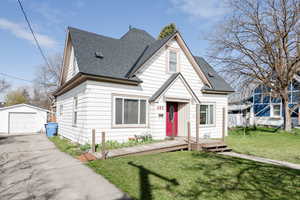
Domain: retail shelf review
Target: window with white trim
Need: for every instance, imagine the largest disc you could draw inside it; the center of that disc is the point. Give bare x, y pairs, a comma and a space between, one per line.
75, 110
173, 61
74, 64
130, 111
276, 110
207, 114
61, 109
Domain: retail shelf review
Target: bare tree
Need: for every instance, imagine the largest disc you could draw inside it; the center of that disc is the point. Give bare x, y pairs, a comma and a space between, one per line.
4, 85
47, 81
259, 44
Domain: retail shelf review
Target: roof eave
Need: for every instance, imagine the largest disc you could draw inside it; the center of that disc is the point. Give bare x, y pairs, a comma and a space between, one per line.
81, 77
212, 91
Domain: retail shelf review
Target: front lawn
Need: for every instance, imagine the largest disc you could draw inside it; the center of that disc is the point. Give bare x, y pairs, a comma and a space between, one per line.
192, 175
266, 142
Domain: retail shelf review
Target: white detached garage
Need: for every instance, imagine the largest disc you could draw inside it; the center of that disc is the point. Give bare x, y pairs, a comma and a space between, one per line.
22, 119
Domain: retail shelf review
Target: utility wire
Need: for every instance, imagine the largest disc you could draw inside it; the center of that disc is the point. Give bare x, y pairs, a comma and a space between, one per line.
33, 34
15, 77
29, 81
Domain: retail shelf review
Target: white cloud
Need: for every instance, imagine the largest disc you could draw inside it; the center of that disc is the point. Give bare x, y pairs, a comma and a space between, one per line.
206, 9
20, 31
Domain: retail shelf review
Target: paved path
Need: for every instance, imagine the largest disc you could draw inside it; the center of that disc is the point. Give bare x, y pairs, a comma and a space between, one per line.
32, 168
263, 160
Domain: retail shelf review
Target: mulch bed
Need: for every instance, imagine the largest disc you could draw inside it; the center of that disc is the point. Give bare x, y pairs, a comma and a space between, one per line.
86, 157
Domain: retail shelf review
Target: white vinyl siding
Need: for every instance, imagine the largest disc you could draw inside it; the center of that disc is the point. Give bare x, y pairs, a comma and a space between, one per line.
78, 133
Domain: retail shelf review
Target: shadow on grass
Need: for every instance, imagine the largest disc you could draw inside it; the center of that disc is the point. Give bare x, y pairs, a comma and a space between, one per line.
221, 177
145, 186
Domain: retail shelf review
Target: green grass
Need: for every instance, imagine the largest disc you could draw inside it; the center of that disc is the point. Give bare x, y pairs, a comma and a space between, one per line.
75, 149
66, 146
116, 145
266, 142
190, 175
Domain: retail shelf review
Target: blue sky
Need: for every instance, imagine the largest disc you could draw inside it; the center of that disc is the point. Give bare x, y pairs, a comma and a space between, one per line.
20, 57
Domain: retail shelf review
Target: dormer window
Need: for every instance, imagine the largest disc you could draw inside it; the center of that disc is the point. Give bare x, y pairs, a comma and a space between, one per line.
173, 61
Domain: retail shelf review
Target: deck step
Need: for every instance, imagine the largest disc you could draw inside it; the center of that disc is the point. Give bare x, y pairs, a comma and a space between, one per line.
217, 150
214, 145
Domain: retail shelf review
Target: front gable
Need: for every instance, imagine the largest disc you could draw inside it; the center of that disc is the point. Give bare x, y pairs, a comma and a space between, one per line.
176, 87
185, 58
154, 73
70, 66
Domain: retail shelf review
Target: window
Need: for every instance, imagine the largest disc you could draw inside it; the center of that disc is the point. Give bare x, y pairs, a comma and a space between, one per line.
75, 106
74, 64
172, 61
130, 111
207, 114
276, 110
61, 110
72, 61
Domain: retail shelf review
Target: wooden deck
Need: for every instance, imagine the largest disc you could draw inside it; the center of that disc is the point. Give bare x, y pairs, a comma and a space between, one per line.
164, 146
179, 143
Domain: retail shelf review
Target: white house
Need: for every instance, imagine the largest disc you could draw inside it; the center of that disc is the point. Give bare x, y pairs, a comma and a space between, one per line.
135, 85
22, 119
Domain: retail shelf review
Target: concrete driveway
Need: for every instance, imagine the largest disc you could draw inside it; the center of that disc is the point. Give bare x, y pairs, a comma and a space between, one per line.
32, 168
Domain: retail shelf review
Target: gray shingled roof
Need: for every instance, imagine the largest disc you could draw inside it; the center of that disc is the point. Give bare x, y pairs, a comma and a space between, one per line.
122, 57
119, 55
217, 82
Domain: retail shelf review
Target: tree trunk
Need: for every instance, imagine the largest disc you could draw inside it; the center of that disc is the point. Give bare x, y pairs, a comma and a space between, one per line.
286, 115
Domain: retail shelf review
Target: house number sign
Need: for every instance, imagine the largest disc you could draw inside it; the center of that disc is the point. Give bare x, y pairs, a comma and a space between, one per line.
160, 108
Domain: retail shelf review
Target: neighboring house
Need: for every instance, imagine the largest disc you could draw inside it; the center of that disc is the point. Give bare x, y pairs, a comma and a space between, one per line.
238, 113
137, 85
22, 119
268, 110
262, 109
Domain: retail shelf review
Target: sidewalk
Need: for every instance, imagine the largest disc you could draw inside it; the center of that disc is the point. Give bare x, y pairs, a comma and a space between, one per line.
263, 160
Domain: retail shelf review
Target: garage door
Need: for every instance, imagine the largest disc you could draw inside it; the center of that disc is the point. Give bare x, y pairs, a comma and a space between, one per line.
22, 123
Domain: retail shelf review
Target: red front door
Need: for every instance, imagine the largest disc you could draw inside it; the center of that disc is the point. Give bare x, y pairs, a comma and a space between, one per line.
172, 117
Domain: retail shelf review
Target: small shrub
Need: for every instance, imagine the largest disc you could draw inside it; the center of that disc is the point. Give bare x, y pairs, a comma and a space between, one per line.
137, 140
85, 147
144, 137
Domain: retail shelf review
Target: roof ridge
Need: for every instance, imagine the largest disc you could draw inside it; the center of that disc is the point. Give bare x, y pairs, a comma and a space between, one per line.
89, 32
137, 29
